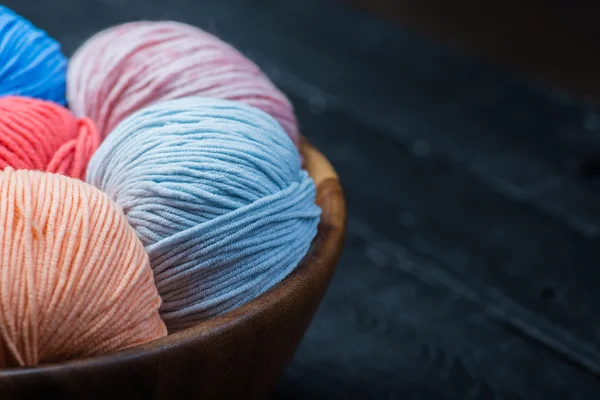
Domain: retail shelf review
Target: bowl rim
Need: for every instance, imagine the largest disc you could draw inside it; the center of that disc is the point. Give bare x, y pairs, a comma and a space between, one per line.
323, 253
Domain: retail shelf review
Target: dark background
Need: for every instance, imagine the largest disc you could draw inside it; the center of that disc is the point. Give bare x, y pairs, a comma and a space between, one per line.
470, 267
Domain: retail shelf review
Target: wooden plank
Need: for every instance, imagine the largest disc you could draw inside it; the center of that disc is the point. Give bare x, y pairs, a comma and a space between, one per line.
540, 274
526, 142
384, 332
556, 41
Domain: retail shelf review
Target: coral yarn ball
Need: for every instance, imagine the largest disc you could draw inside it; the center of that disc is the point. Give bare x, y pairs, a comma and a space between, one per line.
75, 280
125, 68
42, 135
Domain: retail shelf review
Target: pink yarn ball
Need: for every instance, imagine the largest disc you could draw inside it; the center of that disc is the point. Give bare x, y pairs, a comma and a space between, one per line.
127, 67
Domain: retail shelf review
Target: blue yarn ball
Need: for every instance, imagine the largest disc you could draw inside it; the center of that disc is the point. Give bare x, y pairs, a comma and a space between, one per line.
31, 62
216, 192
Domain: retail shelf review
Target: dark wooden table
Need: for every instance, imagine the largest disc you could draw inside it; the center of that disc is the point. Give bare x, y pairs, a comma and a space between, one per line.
556, 40
471, 265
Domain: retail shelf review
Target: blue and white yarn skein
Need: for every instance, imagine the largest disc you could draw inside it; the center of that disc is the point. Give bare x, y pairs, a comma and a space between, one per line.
216, 192
31, 62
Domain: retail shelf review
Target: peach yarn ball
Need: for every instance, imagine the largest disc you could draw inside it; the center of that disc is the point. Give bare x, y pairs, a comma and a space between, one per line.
75, 280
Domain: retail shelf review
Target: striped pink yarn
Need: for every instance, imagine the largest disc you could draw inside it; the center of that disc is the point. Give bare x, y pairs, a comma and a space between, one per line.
127, 67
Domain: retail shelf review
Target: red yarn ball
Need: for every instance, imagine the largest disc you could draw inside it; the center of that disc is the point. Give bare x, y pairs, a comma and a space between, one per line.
42, 135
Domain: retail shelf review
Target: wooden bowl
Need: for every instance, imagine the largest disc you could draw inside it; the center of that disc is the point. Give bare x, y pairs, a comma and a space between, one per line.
238, 355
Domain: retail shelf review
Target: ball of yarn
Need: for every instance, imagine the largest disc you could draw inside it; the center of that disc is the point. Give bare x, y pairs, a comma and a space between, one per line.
130, 66
31, 62
74, 279
215, 191
42, 135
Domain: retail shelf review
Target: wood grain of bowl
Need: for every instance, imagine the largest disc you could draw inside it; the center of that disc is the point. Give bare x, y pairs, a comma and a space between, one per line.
238, 355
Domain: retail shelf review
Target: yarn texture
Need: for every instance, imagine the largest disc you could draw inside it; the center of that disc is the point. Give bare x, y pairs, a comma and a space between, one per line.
74, 279
42, 135
215, 191
125, 68
31, 62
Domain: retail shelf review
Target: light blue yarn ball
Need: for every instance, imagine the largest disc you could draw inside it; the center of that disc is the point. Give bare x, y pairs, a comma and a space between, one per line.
31, 62
216, 192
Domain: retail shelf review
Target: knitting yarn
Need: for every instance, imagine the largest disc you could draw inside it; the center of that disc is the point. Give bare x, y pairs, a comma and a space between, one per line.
42, 135
127, 67
31, 62
74, 279
215, 191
